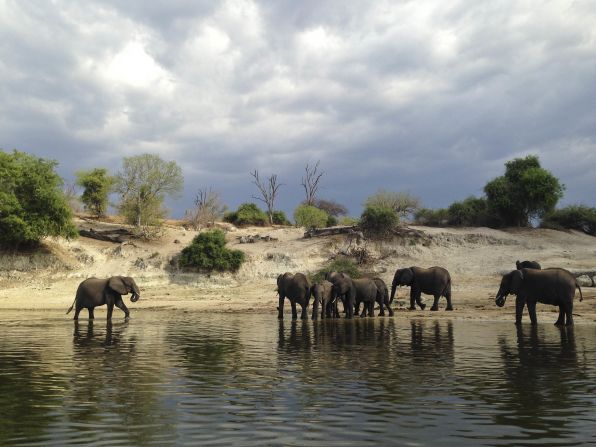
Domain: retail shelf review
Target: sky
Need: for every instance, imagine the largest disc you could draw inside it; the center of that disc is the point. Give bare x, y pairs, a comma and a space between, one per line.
426, 97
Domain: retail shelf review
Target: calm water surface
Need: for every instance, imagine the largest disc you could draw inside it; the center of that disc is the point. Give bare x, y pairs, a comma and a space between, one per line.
177, 378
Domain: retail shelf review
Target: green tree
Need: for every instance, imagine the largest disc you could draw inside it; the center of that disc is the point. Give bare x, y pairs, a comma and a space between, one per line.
97, 186
573, 217
378, 221
310, 217
402, 203
247, 214
143, 183
526, 191
208, 252
472, 211
32, 203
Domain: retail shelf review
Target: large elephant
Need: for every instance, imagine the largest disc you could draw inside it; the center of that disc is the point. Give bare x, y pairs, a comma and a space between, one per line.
383, 296
295, 287
367, 292
553, 286
95, 292
527, 265
322, 293
434, 281
344, 290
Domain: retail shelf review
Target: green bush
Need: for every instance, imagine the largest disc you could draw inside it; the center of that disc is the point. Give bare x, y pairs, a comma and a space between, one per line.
347, 220
279, 218
378, 221
574, 217
331, 221
97, 184
342, 265
473, 211
432, 218
32, 204
208, 251
310, 217
247, 214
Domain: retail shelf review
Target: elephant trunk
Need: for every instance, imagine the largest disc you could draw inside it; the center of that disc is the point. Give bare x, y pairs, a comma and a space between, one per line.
500, 298
135, 297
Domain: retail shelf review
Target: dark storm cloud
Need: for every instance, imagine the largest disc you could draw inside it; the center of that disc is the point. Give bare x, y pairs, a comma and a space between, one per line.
425, 97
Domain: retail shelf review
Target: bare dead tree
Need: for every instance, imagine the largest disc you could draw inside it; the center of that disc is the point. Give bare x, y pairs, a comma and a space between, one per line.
310, 182
208, 208
268, 192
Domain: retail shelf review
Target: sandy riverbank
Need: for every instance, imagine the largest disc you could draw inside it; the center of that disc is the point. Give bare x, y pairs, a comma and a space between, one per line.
475, 257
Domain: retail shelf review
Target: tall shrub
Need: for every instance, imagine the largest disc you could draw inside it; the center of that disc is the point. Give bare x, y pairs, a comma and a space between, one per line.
208, 252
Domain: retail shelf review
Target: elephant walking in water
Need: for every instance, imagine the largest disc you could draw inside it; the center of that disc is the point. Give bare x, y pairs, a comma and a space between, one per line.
95, 292
553, 286
434, 281
295, 287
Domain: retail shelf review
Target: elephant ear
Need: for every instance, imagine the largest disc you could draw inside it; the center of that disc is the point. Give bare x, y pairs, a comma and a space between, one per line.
116, 283
407, 276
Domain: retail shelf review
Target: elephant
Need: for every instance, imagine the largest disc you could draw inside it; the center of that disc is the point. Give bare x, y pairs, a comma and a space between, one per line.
344, 290
553, 286
322, 292
434, 281
367, 292
527, 265
95, 292
383, 296
295, 287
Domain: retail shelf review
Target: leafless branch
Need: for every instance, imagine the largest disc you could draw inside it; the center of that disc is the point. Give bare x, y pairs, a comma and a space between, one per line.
268, 192
310, 182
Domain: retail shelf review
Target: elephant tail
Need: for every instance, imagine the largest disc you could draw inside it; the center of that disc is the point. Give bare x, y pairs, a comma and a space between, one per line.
70, 308
581, 297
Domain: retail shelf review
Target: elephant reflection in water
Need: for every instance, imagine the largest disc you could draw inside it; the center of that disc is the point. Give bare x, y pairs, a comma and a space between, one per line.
436, 342
540, 378
110, 378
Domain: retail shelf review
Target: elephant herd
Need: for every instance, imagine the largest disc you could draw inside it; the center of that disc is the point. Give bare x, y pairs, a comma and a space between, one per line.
529, 282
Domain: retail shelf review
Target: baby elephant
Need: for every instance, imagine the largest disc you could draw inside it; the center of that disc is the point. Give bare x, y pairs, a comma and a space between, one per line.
527, 265
95, 292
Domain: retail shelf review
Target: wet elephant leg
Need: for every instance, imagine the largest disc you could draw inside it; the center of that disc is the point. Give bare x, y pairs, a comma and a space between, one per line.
77, 312
110, 310
412, 300
435, 305
280, 307
120, 304
561, 320
569, 313
418, 295
519, 308
91, 314
371, 308
532, 312
294, 312
449, 306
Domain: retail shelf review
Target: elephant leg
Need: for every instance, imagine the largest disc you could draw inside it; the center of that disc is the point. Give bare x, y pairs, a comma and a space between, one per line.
418, 296
91, 315
371, 308
77, 312
569, 313
280, 307
412, 300
435, 305
357, 306
110, 310
448, 297
561, 320
532, 312
519, 308
120, 305
294, 313
388, 304
304, 314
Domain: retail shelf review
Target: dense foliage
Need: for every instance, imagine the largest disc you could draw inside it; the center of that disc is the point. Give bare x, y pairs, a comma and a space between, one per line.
32, 204
526, 191
402, 203
143, 184
378, 221
279, 218
342, 265
574, 217
208, 252
97, 185
308, 216
247, 214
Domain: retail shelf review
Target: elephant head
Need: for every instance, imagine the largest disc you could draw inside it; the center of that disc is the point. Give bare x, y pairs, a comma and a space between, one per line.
123, 285
510, 284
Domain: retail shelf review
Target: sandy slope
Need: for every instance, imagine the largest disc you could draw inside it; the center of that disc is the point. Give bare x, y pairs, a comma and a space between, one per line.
475, 257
